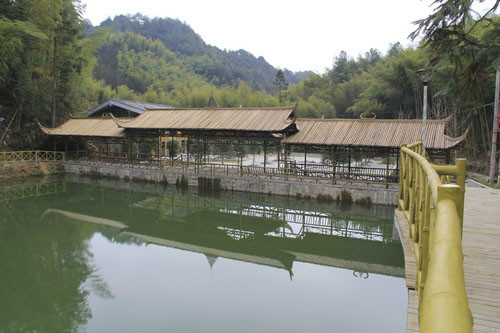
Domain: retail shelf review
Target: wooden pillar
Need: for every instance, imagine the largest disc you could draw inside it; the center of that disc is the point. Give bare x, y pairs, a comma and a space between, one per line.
187, 148
388, 156
55, 144
66, 146
205, 151
397, 160
333, 152
265, 155
349, 160
285, 160
172, 148
240, 158
129, 150
222, 155
198, 155
159, 150
279, 155
305, 161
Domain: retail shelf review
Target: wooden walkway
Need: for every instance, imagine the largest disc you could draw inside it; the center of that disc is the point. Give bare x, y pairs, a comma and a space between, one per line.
481, 247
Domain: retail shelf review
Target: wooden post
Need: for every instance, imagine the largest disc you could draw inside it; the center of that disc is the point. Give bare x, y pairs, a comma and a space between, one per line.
349, 159
333, 151
265, 155
240, 158
397, 161
198, 155
305, 161
172, 148
388, 156
279, 155
205, 151
286, 161
107, 148
159, 150
187, 148
129, 151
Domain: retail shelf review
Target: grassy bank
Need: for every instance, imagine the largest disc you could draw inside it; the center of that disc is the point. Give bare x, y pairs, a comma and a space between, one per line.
25, 169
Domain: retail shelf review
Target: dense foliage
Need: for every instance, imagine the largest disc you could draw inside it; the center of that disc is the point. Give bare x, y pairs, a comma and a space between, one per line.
220, 67
52, 62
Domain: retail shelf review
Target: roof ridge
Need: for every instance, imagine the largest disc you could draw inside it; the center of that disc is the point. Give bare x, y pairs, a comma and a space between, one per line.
96, 118
227, 108
445, 120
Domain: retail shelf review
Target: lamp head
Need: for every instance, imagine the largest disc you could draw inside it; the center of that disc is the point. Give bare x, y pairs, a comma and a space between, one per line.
425, 75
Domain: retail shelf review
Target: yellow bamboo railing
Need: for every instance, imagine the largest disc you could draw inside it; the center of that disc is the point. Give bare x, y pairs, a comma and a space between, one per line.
31, 156
433, 206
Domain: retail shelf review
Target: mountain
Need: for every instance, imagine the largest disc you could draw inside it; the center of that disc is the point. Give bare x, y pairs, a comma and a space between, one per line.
220, 67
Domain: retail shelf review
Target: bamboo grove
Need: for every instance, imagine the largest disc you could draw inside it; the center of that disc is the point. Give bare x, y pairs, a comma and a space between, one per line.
53, 63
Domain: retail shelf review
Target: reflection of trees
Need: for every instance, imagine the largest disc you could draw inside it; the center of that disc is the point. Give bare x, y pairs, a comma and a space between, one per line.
44, 266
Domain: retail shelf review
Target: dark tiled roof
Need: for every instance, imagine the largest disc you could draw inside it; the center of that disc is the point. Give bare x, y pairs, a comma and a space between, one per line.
137, 107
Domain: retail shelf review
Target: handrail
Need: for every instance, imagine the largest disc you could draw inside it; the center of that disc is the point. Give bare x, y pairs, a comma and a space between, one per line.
31, 156
434, 210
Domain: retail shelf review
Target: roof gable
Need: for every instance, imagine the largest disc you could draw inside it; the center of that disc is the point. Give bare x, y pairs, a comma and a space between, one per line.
89, 127
136, 107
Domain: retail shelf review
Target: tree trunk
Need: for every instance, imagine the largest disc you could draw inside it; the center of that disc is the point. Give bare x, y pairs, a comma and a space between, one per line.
54, 87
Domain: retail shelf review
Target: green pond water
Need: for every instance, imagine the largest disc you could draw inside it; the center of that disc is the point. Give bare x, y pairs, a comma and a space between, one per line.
80, 254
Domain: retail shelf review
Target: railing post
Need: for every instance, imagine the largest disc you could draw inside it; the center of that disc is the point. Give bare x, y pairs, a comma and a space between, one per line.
443, 305
460, 163
428, 218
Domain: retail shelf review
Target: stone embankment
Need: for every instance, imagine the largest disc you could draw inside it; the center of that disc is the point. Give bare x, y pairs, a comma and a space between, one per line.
264, 184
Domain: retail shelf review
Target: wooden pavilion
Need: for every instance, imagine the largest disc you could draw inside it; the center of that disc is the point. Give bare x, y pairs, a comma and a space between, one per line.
139, 140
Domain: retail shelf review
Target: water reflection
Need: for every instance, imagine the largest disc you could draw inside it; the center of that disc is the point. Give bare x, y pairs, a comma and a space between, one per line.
47, 269
42, 270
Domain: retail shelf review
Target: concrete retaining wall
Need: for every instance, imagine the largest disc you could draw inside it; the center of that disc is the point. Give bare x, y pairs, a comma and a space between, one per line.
378, 195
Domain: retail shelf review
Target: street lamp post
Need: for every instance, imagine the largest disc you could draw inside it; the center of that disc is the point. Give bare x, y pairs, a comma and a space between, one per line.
425, 76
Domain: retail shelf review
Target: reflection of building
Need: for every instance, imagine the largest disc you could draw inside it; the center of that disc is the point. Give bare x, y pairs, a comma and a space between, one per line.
239, 229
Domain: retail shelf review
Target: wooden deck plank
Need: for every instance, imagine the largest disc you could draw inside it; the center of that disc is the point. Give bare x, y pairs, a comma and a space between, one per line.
410, 261
481, 248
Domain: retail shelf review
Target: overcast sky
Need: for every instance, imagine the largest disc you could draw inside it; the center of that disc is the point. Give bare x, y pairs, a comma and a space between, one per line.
298, 35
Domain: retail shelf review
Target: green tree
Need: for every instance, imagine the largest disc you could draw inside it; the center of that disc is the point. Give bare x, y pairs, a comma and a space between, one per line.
280, 86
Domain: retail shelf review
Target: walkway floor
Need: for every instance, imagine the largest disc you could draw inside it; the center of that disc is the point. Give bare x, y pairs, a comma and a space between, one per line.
481, 247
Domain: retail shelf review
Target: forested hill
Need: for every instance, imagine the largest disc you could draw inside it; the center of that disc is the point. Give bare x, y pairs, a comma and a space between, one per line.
57, 64
220, 67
